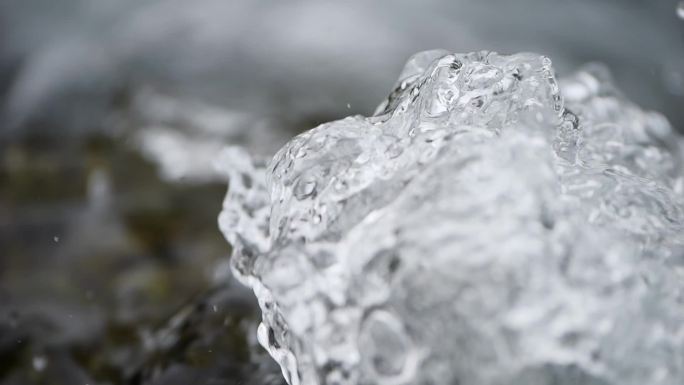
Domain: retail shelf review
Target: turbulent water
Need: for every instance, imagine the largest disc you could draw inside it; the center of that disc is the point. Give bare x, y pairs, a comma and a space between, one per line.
488, 225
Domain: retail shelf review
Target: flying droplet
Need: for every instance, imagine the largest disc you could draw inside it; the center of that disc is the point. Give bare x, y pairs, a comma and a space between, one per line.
348, 106
680, 10
39, 363
55, 238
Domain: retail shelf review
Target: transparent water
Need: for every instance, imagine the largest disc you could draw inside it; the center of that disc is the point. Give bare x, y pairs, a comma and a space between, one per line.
490, 224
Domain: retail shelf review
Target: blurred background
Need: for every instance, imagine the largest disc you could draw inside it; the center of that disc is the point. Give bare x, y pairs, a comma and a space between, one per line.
112, 269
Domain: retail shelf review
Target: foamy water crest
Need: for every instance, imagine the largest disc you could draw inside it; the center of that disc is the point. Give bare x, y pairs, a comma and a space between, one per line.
488, 225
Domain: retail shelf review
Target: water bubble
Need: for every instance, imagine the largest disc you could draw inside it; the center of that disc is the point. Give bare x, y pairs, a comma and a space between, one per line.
386, 345
304, 188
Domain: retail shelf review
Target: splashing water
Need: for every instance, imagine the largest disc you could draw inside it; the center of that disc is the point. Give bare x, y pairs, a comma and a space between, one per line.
488, 225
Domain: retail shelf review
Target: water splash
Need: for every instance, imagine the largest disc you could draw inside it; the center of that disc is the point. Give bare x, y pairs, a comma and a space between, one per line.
488, 225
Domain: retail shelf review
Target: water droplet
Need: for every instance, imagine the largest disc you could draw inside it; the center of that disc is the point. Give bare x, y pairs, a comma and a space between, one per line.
567, 137
348, 106
215, 308
55, 238
39, 363
680, 10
